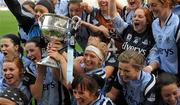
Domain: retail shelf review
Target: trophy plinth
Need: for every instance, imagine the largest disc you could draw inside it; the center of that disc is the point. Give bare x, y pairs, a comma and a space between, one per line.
47, 61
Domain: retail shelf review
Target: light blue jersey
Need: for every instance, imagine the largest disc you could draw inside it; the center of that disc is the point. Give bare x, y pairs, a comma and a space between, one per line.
176, 9
165, 49
26, 61
61, 8
119, 24
50, 95
52, 89
127, 15
1, 64
34, 31
32, 68
135, 90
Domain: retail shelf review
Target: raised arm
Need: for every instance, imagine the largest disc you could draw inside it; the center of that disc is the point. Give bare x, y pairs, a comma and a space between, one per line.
112, 8
61, 74
118, 23
25, 19
37, 87
119, 6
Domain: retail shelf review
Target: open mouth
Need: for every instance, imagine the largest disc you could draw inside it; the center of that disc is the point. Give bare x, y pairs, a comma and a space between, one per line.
4, 53
136, 23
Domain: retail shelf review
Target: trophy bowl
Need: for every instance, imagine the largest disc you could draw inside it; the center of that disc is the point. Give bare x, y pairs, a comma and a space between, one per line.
54, 25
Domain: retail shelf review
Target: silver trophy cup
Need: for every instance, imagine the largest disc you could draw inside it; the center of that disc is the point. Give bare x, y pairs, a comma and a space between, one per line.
53, 25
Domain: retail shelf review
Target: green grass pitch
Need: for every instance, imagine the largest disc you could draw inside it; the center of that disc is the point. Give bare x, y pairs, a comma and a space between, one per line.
8, 23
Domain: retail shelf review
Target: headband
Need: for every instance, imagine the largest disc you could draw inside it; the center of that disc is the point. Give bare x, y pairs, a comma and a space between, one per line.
95, 50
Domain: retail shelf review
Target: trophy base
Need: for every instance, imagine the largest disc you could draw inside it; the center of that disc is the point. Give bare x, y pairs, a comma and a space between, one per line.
49, 62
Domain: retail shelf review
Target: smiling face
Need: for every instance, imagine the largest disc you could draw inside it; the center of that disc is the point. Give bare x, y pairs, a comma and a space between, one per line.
170, 94
156, 7
12, 73
91, 60
139, 21
84, 97
32, 51
134, 4
85, 89
130, 64
8, 48
160, 9
128, 72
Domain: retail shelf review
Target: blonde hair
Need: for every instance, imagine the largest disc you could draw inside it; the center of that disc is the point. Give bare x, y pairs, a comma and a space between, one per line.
136, 59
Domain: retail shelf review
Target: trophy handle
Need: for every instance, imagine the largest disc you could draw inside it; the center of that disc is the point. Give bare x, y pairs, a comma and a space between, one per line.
76, 22
40, 20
